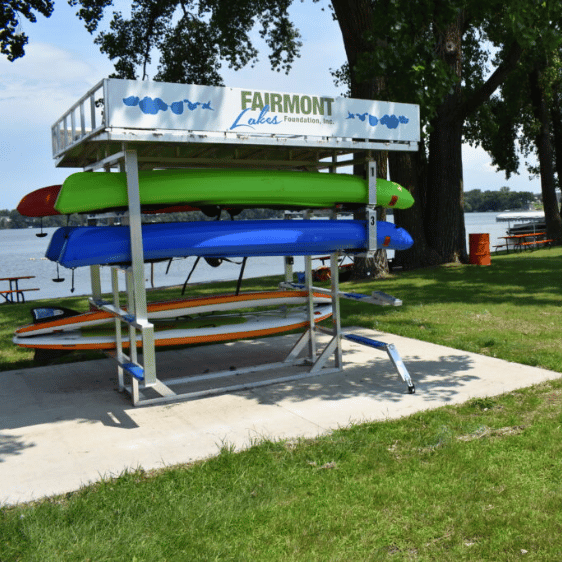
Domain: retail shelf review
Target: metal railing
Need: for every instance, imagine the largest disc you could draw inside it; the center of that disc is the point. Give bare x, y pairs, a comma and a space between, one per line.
85, 118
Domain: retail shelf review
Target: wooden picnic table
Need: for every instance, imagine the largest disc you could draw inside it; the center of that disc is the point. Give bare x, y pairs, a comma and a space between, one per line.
15, 289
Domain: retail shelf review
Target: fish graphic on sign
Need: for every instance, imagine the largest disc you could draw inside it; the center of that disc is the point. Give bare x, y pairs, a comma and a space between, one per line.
389, 121
150, 106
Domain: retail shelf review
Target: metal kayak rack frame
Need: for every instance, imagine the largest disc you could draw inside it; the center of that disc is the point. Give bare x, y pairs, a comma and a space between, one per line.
93, 135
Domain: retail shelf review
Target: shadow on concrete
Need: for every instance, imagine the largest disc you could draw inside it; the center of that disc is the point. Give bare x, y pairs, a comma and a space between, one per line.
11, 445
87, 391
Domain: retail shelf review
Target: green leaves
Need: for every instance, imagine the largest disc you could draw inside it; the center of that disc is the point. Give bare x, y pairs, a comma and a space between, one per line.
91, 11
192, 39
12, 39
180, 55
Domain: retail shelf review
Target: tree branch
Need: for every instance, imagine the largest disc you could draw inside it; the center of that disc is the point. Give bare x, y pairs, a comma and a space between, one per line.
484, 93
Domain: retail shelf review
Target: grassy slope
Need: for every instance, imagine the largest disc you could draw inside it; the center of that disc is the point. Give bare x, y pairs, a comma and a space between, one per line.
508, 310
475, 482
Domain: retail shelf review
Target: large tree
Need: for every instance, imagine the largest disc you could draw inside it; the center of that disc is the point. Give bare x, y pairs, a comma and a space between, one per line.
524, 118
439, 54
431, 52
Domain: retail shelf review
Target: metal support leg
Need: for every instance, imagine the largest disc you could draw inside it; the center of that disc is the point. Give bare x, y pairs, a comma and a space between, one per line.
288, 260
95, 280
392, 354
336, 320
133, 358
149, 360
310, 304
118, 336
400, 367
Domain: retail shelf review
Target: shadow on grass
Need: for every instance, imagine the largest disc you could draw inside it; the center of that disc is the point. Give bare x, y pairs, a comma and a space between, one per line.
526, 279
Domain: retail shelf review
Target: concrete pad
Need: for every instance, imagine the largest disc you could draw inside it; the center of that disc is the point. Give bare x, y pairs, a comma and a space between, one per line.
64, 426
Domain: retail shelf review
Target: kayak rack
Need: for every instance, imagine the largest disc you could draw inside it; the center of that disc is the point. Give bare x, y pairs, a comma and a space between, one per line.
113, 127
139, 379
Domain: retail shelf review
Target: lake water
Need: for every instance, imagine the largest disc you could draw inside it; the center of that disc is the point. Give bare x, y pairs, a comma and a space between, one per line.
22, 253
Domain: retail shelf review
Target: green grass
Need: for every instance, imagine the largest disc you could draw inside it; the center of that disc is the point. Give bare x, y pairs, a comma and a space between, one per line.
508, 310
480, 481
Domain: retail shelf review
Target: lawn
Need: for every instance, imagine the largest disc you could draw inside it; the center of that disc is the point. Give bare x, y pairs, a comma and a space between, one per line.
480, 481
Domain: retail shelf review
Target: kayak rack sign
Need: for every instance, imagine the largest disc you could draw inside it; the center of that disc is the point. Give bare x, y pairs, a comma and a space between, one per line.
157, 105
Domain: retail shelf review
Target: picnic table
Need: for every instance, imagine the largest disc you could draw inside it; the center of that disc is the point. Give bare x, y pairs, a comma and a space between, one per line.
523, 241
15, 289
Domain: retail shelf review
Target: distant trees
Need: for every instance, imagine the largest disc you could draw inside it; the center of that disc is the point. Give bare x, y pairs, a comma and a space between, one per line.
503, 200
12, 219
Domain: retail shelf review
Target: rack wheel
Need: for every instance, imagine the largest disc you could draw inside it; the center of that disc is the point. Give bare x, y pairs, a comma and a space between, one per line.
411, 389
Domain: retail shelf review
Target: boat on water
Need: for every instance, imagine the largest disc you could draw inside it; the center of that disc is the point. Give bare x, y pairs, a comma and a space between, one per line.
524, 222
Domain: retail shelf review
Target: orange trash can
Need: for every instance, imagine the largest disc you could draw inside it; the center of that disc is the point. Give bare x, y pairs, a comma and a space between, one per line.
479, 245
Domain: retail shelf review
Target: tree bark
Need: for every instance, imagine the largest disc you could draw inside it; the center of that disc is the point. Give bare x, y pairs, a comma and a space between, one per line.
410, 171
354, 18
444, 220
546, 158
556, 115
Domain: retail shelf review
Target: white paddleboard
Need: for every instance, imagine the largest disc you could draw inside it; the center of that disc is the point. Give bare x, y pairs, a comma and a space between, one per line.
53, 319
168, 332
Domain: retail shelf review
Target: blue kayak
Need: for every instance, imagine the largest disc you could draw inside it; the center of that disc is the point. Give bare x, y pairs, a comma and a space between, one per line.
75, 246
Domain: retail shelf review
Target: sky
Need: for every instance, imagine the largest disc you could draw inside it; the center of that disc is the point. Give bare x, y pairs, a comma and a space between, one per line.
62, 63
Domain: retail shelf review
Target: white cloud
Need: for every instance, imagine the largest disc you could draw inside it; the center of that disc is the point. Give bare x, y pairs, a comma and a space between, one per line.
46, 63
37, 89
479, 173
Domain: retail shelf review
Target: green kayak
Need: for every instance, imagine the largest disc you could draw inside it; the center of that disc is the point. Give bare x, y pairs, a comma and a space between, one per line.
92, 191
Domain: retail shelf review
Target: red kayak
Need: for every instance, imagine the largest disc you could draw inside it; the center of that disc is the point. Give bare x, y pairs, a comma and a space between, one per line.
41, 203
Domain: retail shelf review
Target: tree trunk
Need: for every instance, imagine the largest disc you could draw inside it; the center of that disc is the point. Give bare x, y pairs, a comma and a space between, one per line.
444, 224
354, 18
556, 115
546, 158
444, 220
409, 170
